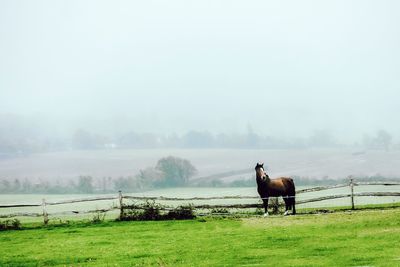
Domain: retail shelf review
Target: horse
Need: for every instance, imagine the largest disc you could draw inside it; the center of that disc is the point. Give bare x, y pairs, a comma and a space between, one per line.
282, 186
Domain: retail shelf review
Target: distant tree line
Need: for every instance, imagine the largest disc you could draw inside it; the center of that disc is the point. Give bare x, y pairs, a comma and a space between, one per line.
18, 136
85, 184
168, 172
151, 179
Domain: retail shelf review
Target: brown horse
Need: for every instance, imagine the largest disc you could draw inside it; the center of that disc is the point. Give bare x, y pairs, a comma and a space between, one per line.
282, 186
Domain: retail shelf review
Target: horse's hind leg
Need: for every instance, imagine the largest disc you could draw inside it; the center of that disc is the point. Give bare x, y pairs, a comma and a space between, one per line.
293, 205
287, 204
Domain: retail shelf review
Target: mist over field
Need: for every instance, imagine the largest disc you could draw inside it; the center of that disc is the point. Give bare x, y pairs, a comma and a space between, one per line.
101, 89
199, 133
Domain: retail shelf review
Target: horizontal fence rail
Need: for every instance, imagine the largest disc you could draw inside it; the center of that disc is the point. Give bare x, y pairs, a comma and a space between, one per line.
121, 206
81, 200
21, 214
376, 183
19, 205
298, 202
320, 188
188, 198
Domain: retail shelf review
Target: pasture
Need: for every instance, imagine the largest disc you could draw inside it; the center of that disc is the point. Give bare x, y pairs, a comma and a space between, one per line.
212, 196
342, 238
356, 238
247, 195
315, 163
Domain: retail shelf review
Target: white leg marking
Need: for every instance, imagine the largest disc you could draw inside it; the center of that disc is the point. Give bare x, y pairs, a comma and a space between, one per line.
286, 213
266, 214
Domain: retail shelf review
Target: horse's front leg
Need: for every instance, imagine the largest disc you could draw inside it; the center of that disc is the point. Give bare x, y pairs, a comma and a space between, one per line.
265, 202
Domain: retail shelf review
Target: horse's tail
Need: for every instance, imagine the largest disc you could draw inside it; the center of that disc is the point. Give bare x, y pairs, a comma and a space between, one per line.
292, 195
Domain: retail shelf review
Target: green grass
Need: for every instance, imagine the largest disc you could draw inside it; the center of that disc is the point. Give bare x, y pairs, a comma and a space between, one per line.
356, 238
382, 206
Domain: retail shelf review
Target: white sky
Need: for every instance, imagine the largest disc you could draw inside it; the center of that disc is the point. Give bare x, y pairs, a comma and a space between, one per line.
285, 67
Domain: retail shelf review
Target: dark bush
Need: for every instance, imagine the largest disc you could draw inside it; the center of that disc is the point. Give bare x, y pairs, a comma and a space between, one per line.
13, 224
148, 211
181, 213
151, 211
98, 217
219, 211
274, 205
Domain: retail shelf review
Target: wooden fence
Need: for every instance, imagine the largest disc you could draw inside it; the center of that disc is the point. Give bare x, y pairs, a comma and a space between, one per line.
120, 200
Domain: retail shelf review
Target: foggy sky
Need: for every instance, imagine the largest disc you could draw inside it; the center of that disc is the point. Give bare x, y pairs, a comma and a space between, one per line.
284, 67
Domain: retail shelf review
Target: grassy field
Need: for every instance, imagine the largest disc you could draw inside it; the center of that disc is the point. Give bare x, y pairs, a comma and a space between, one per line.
357, 238
317, 163
187, 192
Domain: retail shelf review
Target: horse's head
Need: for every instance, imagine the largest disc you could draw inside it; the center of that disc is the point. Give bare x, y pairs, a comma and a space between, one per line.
260, 173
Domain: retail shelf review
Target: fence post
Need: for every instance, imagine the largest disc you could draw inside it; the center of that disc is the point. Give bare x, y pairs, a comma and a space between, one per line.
121, 206
45, 215
352, 192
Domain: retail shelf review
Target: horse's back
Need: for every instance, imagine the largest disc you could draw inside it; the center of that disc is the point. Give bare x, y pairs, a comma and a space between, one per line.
283, 186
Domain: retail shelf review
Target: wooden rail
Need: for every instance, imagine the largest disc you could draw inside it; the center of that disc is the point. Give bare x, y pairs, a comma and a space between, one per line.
320, 188
81, 200
377, 183
121, 206
19, 205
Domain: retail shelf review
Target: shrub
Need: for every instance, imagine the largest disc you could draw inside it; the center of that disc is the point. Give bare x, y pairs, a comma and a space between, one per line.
274, 204
13, 224
181, 213
151, 211
220, 210
98, 217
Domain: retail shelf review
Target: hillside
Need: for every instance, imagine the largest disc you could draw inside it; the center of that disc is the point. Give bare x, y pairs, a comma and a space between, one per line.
217, 163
